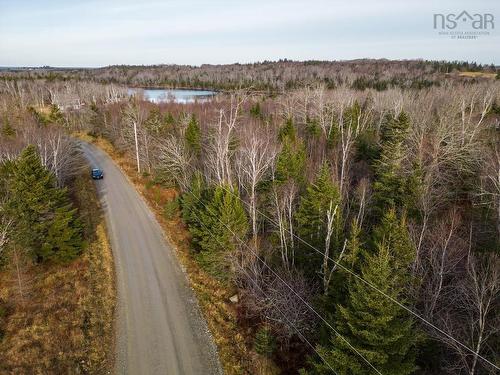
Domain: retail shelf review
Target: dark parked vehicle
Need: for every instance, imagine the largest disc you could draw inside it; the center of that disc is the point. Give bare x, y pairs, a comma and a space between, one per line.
97, 174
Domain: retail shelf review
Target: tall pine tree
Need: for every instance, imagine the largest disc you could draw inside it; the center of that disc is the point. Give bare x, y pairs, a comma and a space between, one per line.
319, 223
7, 131
377, 328
390, 188
222, 224
291, 161
191, 201
46, 223
392, 231
193, 135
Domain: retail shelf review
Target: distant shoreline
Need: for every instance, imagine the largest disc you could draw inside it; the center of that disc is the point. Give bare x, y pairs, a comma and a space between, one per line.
215, 91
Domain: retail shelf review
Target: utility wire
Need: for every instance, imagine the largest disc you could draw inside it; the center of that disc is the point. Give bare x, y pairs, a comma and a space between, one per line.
279, 310
374, 287
289, 287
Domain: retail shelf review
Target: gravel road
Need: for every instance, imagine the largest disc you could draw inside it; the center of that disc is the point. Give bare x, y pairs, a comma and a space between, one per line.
159, 328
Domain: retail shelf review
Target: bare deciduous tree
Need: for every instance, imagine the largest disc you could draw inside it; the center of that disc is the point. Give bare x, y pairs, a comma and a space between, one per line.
443, 253
284, 201
254, 159
221, 136
489, 189
135, 115
279, 298
472, 315
176, 159
462, 297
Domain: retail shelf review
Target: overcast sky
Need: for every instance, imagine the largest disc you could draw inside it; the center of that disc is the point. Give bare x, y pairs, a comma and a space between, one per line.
105, 32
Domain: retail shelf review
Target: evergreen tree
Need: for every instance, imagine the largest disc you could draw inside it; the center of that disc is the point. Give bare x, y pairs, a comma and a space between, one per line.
321, 198
376, 327
339, 292
332, 136
55, 115
353, 252
256, 111
6, 172
96, 120
169, 120
288, 132
40, 118
392, 232
63, 241
264, 343
193, 135
46, 223
154, 123
394, 129
290, 164
352, 116
222, 224
390, 188
7, 130
313, 130
192, 206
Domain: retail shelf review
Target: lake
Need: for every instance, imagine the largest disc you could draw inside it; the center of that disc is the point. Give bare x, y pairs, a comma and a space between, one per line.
175, 95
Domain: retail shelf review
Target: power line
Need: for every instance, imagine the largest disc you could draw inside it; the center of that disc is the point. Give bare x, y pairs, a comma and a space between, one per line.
374, 287
279, 310
289, 287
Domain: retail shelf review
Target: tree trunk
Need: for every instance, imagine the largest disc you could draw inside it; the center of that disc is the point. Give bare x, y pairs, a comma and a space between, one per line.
137, 148
18, 272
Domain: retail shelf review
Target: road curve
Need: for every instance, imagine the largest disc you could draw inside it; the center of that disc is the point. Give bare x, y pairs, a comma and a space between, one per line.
159, 326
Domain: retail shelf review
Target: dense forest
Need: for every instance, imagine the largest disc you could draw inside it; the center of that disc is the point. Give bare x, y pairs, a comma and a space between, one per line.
359, 224
56, 272
268, 75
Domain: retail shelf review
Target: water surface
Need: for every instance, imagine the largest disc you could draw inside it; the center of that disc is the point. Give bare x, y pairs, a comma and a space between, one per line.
184, 96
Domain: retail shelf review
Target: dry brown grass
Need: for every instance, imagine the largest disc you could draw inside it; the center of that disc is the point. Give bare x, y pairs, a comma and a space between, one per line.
477, 74
63, 321
213, 296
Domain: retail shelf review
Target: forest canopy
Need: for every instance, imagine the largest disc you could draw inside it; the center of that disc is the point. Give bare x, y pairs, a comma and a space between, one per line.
351, 208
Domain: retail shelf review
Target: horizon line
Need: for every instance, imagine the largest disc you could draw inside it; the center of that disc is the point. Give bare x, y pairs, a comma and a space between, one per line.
281, 60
